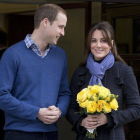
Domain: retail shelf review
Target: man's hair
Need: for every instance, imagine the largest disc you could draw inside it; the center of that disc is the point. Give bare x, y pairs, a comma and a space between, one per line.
49, 11
3, 37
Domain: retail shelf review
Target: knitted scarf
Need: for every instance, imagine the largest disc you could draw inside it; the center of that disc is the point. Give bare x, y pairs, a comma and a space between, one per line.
98, 70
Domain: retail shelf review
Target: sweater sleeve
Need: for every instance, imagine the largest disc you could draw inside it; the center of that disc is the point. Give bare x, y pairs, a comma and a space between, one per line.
131, 97
8, 103
73, 117
64, 92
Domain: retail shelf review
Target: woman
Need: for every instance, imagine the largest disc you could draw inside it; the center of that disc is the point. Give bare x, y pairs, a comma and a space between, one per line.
103, 64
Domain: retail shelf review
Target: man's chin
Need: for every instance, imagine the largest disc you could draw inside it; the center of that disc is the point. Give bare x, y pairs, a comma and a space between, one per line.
53, 43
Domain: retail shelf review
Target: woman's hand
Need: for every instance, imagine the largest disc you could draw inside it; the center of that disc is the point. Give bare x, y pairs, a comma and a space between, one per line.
94, 121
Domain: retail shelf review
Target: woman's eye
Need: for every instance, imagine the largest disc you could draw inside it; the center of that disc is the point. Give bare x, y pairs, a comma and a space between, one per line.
93, 40
103, 40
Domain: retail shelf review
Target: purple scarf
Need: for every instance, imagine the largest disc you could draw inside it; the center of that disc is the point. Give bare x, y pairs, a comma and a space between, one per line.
97, 70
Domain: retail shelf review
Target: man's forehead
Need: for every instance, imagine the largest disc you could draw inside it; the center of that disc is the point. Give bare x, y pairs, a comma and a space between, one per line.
61, 15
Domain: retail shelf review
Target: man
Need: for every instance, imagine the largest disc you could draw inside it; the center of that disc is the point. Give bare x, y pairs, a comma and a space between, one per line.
34, 89
3, 47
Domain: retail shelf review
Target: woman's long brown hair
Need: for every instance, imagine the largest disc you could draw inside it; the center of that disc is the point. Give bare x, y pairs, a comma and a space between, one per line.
108, 33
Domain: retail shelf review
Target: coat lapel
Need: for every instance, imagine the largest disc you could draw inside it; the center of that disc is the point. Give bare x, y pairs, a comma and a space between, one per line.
84, 76
113, 73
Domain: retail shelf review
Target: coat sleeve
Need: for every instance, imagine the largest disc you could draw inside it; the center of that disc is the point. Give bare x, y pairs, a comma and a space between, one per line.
64, 92
132, 100
8, 103
73, 117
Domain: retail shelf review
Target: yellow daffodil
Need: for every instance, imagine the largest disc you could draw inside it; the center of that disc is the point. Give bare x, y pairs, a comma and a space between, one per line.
100, 105
95, 89
84, 104
91, 107
89, 94
104, 92
93, 98
101, 102
107, 108
107, 98
81, 96
114, 104
99, 109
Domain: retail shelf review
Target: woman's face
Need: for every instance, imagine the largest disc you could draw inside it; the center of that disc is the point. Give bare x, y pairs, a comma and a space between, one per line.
99, 47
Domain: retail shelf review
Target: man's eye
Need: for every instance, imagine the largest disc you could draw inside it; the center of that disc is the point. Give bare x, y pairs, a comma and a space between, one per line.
60, 27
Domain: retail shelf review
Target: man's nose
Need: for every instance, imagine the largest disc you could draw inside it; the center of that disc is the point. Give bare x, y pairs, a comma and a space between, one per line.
62, 32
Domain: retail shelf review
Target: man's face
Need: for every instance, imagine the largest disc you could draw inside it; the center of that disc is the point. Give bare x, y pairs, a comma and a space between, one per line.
56, 29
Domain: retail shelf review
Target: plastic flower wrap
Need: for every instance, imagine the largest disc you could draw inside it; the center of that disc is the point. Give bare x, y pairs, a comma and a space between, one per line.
96, 100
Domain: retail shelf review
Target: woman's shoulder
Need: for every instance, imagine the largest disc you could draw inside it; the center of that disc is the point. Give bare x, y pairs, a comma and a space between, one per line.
120, 69
81, 70
121, 66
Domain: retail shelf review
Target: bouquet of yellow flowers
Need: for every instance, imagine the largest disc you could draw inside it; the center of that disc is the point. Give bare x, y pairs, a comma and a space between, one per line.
96, 100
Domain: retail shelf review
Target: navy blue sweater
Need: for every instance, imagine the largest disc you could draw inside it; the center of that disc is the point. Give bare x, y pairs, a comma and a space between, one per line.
29, 82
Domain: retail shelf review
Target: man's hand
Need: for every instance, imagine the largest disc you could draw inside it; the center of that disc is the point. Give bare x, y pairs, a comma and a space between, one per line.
53, 116
49, 115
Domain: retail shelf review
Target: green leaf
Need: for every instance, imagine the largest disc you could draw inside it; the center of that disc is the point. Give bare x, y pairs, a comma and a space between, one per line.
99, 84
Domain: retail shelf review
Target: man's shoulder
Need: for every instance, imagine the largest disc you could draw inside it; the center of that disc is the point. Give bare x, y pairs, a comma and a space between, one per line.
15, 49
58, 49
17, 45
2, 50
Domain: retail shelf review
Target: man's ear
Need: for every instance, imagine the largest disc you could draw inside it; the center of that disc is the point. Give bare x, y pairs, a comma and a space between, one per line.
45, 22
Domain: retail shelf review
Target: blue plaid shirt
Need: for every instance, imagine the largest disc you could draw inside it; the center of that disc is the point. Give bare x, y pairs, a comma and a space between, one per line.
30, 44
